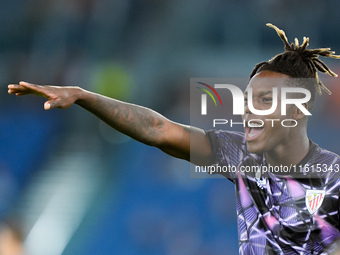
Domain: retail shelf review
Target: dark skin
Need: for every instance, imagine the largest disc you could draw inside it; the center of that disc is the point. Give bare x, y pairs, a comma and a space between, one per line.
140, 123
280, 145
177, 140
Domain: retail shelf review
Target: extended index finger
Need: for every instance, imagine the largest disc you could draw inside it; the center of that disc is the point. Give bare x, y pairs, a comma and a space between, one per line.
25, 88
35, 89
31, 86
15, 88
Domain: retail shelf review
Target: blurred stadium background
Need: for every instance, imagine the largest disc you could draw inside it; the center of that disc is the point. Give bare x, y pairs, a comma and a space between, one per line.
71, 185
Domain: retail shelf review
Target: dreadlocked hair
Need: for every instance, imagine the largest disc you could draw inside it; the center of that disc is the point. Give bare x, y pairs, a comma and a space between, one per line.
299, 62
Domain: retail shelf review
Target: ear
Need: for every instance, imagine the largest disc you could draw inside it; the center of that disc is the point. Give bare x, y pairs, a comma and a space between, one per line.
298, 114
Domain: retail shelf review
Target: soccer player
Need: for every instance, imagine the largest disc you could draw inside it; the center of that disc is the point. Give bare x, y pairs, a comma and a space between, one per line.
277, 213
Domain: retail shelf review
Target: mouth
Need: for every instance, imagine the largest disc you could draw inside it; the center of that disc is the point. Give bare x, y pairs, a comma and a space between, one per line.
253, 130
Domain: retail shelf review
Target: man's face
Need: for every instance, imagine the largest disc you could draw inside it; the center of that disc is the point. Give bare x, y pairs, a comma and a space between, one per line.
271, 134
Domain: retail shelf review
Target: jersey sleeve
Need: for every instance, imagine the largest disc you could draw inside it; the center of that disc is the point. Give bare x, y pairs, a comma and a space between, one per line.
228, 148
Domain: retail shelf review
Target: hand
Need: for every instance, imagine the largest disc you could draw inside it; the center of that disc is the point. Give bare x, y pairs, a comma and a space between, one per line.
58, 97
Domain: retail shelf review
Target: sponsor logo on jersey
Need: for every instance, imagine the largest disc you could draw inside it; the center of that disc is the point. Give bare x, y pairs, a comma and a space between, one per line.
314, 199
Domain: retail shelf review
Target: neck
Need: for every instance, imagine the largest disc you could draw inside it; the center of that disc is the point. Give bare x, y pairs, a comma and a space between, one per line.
290, 152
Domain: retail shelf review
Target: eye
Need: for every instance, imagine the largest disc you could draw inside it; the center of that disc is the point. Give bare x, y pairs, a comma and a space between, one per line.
267, 99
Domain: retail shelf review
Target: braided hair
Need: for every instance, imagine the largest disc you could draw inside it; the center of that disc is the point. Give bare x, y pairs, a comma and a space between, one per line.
299, 62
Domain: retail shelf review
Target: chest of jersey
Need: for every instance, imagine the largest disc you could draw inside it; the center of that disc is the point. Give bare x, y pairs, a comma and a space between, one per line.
289, 211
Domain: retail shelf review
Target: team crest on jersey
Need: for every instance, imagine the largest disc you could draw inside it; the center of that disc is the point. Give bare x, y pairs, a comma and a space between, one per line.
314, 199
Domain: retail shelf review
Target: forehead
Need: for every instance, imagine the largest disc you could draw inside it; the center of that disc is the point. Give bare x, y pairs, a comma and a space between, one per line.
266, 80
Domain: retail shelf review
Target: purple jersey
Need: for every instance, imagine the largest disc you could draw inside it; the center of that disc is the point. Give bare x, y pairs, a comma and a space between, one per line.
281, 213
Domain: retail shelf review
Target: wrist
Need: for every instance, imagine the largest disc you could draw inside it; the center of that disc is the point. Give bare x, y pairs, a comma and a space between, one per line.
77, 93
81, 96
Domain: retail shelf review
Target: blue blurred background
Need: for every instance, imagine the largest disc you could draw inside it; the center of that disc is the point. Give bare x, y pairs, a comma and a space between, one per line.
73, 185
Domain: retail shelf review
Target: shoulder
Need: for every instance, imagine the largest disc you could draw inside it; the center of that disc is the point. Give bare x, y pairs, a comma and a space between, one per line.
228, 147
325, 156
326, 163
229, 141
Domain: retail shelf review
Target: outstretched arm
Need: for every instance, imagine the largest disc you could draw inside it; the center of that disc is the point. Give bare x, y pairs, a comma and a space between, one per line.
140, 123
